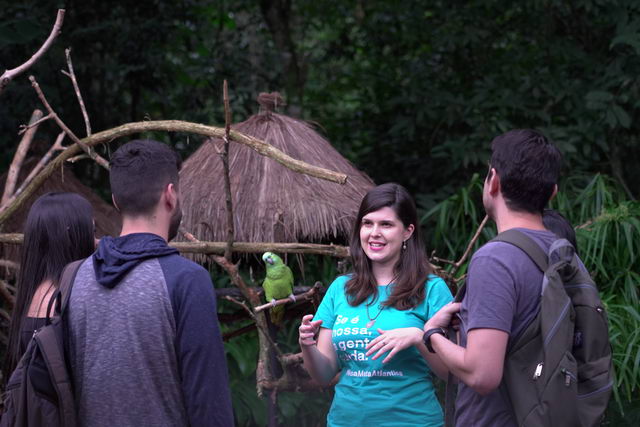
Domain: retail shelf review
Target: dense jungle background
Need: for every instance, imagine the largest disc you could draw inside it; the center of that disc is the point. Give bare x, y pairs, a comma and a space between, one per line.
409, 91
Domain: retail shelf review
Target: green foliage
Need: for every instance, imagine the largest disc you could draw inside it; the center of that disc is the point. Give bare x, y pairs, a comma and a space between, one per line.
424, 86
608, 235
410, 91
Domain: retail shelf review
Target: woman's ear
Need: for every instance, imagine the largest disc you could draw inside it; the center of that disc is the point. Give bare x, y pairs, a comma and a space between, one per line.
408, 232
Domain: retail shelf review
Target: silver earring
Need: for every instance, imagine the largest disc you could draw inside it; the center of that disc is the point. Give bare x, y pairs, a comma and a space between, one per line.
404, 245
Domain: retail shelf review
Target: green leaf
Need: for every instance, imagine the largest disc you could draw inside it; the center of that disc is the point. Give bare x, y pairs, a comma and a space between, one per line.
622, 116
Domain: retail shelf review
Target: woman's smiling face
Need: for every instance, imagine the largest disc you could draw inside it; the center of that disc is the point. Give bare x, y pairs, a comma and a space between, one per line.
382, 234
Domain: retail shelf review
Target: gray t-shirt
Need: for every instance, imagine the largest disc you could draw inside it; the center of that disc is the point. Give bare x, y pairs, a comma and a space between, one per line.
503, 292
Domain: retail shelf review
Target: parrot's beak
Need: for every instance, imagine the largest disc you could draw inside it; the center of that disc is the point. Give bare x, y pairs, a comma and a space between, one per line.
269, 260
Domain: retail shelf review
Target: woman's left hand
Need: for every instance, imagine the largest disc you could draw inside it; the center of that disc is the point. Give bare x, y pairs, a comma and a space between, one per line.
393, 341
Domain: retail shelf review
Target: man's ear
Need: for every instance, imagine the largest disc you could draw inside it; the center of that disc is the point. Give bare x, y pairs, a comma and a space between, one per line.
494, 182
115, 205
171, 195
555, 192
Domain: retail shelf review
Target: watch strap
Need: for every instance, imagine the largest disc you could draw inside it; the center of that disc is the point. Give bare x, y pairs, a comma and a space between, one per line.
427, 337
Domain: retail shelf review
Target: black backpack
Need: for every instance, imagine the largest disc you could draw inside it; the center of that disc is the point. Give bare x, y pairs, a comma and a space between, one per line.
558, 371
39, 391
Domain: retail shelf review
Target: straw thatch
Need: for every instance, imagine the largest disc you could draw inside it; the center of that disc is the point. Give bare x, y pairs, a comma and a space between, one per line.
270, 202
107, 219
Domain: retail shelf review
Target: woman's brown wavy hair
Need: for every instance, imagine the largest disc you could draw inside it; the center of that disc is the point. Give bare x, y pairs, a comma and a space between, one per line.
412, 268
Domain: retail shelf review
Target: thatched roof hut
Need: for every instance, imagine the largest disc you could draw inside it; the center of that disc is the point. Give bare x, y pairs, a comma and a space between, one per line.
107, 219
271, 203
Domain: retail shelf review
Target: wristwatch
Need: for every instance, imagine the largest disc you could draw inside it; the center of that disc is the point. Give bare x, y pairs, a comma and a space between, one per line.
427, 337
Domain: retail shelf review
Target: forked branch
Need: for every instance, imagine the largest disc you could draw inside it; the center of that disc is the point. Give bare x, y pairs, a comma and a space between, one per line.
87, 149
9, 75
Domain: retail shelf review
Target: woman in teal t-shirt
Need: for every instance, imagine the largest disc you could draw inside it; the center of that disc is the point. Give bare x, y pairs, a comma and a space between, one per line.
390, 294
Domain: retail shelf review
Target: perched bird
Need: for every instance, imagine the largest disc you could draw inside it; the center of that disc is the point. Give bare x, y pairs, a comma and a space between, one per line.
277, 285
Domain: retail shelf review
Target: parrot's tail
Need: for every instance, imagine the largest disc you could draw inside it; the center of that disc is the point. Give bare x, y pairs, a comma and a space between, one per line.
277, 315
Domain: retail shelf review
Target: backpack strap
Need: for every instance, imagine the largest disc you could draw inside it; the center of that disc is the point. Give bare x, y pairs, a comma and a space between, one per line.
526, 244
450, 388
61, 296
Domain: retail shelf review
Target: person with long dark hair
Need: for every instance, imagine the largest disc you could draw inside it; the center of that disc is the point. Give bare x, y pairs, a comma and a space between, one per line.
369, 326
59, 229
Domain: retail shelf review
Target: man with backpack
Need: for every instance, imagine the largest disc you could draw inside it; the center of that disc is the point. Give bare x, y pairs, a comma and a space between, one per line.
528, 346
144, 344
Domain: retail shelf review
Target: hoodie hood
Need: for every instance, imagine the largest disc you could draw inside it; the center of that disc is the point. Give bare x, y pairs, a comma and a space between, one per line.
115, 257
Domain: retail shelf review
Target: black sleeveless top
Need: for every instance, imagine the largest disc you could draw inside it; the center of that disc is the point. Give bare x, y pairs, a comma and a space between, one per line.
29, 326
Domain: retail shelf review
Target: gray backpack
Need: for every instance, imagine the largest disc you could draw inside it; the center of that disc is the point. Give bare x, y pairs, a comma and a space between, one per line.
559, 371
39, 391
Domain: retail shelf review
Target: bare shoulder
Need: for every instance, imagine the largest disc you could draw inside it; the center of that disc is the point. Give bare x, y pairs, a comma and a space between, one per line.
41, 299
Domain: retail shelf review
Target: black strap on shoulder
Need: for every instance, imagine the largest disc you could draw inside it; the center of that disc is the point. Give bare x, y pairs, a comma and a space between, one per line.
450, 388
524, 242
61, 296
450, 395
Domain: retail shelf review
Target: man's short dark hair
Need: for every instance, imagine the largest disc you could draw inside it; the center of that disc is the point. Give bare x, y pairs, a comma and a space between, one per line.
528, 165
140, 170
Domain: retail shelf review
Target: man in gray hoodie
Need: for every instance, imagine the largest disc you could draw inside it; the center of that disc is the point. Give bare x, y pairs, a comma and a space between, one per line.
144, 341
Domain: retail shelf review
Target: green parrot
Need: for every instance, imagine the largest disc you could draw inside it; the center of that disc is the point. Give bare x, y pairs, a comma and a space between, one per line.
277, 285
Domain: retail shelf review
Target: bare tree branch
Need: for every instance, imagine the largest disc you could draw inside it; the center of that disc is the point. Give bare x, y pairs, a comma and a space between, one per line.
18, 158
6, 295
258, 324
24, 128
9, 75
472, 242
57, 146
210, 248
304, 297
87, 149
9, 264
74, 81
225, 167
170, 126
78, 158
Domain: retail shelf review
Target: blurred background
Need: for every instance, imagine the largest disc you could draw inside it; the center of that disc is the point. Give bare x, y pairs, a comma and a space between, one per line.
410, 91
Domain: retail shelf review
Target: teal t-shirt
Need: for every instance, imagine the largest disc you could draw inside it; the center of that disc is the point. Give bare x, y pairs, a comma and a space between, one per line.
398, 393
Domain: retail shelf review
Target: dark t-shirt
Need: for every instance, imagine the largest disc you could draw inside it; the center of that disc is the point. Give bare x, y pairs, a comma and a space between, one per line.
503, 292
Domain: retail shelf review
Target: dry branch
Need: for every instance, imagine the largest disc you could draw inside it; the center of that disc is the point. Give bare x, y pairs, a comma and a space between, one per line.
304, 297
87, 149
25, 128
209, 248
260, 325
6, 294
235, 292
170, 126
250, 247
225, 166
241, 331
472, 242
19, 156
57, 146
9, 75
9, 264
72, 75
11, 238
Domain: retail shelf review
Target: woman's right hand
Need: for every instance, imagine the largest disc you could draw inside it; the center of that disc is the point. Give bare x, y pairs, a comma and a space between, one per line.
308, 330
